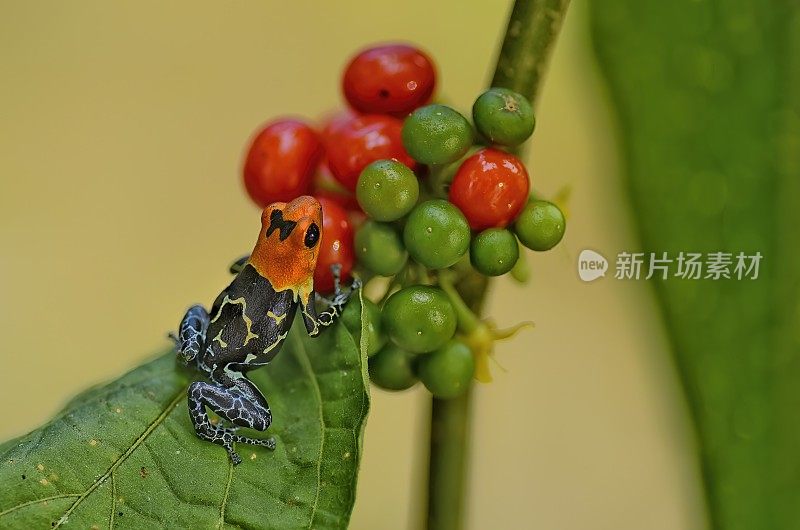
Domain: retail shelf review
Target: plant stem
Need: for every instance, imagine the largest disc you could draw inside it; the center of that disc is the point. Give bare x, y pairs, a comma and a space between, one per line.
446, 474
529, 38
530, 35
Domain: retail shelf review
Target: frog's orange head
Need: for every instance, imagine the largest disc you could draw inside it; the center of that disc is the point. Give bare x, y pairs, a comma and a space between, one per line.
288, 244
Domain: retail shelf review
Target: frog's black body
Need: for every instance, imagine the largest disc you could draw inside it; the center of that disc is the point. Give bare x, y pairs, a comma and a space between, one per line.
249, 321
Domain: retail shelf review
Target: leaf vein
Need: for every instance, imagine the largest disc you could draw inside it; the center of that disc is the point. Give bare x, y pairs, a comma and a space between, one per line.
37, 501
156, 422
113, 501
225, 496
305, 362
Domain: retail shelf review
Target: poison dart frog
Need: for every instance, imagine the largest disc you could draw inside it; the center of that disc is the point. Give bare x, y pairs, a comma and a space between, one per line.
250, 319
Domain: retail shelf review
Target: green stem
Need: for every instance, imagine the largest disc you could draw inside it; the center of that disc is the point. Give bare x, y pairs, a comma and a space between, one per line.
446, 474
449, 436
530, 35
467, 320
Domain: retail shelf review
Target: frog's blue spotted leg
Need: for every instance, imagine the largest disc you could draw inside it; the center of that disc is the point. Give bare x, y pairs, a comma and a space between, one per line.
192, 333
241, 403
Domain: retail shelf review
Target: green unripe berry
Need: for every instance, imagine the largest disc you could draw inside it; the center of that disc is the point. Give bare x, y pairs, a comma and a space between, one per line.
521, 271
494, 251
351, 318
447, 372
379, 248
419, 318
540, 225
392, 368
503, 116
436, 134
387, 190
436, 234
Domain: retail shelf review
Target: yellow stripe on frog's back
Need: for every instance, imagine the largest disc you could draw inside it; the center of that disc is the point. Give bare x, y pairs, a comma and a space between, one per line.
247, 321
277, 318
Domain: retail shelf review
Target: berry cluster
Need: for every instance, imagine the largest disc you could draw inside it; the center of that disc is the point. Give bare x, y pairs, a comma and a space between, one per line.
408, 190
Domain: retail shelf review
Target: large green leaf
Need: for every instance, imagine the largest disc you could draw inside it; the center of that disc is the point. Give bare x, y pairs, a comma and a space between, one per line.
708, 99
125, 455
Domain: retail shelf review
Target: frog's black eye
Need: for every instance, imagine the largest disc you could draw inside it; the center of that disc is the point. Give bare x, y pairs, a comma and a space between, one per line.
312, 235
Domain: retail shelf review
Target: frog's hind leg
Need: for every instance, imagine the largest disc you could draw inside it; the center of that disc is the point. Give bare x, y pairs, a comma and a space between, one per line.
240, 403
192, 333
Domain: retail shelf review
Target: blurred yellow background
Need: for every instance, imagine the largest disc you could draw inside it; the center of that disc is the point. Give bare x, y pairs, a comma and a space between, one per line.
123, 125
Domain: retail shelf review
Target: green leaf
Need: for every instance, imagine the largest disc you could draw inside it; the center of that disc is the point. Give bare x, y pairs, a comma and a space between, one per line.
126, 454
708, 101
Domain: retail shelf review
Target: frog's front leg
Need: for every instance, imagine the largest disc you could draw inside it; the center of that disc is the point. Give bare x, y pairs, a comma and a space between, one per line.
192, 333
237, 266
315, 322
237, 400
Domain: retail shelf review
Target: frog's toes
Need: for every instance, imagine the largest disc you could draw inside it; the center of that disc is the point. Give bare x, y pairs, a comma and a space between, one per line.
269, 443
234, 456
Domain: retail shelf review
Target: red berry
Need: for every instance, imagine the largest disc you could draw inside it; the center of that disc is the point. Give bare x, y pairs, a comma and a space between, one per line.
490, 188
336, 245
352, 142
390, 79
281, 161
332, 121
